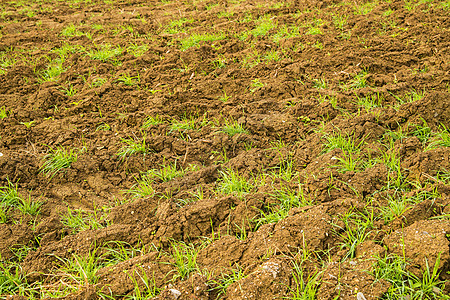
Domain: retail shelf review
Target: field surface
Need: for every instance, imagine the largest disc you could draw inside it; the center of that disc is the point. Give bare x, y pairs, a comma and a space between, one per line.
241, 149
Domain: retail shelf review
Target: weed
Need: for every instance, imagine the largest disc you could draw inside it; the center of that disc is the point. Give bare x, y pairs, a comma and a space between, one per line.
137, 50
440, 139
57, 160
98, 82
29, 207
152, 121
80, 220
347, 143
185, 256
70, 91
118, 251
224, 98
230, 182
133, 146
105, 53
143, 188
3, 112
13, 282
128, 80
196, 39
340, 21
103, 127
305, 287
150, 290
225, 280
287, 199
28, 124
80, 269
320, 84
356, 229
256, 85
233, 127
403, 284
371, 101
167, 172
9, 196
264, 25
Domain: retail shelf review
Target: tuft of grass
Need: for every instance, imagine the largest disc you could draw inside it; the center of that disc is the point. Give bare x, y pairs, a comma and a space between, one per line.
150, 290
371, 101
287, 199
441, 138
256, 85
105, 53
405, 285
346, 143
132, 146
233, 127
143, 188
137, 50
129, 80
9, 196
196, 39
3, 112
13, 281
305, 287
185, 259
80, 220
167, 172
357, 227
230, 182
225, 280
152, 121
79, 269
57, 160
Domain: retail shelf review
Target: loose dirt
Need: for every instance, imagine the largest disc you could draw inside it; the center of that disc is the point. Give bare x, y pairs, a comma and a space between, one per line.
249, 193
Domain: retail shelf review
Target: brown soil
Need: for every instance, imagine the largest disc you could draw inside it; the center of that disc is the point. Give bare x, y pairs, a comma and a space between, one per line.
286, 110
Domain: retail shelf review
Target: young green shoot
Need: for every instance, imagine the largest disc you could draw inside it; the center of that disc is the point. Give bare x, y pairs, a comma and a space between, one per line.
57, 160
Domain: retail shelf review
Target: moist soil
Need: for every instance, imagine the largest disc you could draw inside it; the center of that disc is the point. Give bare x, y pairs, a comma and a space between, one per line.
284, 94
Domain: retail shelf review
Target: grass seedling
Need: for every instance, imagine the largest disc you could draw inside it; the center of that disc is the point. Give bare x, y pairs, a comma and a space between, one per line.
150, 290
337, 140
137, 50
188, 123
70, 91
320, 84
185, 256
143, 188
422, 132
348, 163
152, 121
225, 280
80, 220
29, 207
80, 269
196, 39
224, 98
305, 287
167, 172
287, 199
371, 101
98, 82
128, 80
57, 160
359, 81
103, 127
132, 146
9, 196
3, 214
118, 251
105, 53
230, 182
256, 85
357, 227
13, 282
403, 284
233, 127
3, 113
440, 139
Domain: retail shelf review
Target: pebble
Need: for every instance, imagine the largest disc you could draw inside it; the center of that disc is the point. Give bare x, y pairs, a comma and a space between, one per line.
360, 296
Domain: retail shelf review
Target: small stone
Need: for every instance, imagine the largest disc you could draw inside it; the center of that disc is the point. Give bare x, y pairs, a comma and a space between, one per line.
360, 296
175, 293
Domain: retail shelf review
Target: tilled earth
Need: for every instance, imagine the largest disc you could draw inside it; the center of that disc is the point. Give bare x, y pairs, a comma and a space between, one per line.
224, 149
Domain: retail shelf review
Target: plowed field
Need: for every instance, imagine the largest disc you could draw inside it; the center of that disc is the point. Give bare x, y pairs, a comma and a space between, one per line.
241, 149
